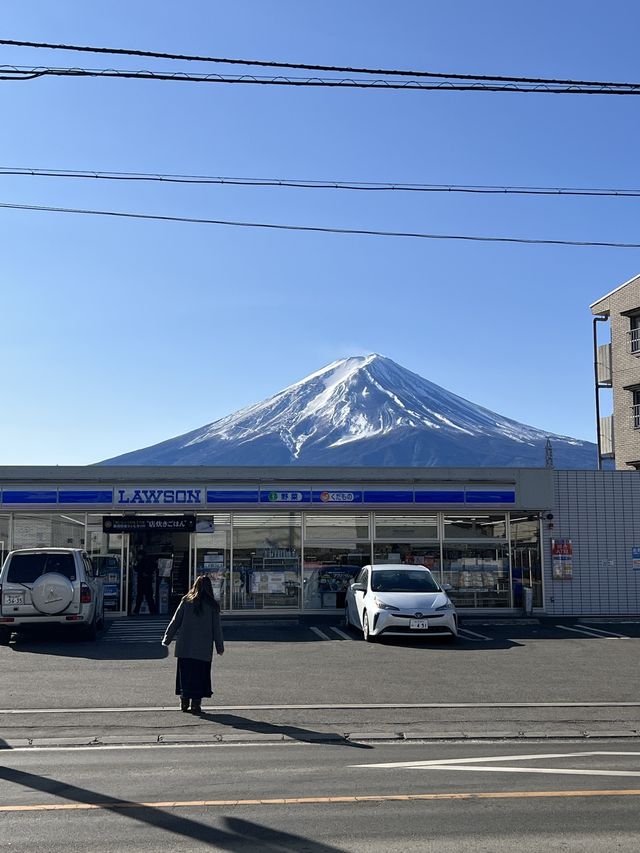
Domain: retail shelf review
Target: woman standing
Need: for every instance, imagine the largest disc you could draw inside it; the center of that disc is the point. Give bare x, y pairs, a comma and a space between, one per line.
197, 623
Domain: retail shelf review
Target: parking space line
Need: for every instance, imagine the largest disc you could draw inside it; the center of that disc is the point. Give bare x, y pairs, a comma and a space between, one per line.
472, 635
608, 633
320, 633
341, 633
588, 633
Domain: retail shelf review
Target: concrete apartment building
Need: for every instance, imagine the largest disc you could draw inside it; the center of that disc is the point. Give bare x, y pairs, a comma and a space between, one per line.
617, 367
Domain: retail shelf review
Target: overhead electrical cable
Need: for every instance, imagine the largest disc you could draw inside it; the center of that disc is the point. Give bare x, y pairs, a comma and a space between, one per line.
367, 232
20, 73
389, 72
303, 183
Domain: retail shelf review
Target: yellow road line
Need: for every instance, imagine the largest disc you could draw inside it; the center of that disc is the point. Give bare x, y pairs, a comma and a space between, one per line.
288, 801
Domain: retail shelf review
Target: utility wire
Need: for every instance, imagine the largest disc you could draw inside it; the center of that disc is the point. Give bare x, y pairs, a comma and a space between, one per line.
300, 183
19, 73
318, 229
389, 72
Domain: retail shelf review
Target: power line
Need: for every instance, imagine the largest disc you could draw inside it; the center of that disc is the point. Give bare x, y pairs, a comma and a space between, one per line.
21, 73
301, 183
390, 72
318, 229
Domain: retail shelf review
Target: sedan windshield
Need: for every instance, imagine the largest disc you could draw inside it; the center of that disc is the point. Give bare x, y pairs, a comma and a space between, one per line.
400, 580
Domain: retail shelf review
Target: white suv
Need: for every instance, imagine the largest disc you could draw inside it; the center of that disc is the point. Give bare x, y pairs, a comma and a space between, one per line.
50, 586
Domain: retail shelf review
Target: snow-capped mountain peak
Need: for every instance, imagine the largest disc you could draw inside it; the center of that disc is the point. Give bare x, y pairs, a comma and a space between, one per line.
364, 410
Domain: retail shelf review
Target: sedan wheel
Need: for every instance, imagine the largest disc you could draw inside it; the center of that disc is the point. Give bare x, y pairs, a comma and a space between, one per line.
366, 633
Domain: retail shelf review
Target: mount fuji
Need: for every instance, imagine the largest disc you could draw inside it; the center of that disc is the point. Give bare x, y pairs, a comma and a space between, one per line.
365, 410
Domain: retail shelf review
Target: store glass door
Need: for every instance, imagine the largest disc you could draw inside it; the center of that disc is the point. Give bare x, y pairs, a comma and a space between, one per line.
109, 554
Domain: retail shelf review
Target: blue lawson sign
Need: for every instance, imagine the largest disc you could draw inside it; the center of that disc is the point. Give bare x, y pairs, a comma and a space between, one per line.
635, 558
165, 496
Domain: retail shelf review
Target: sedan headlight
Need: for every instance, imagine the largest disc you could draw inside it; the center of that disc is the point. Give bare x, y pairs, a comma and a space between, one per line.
448, 606
383, 605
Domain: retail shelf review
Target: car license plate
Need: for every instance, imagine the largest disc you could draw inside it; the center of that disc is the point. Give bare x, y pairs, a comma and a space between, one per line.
15, 598
420, 624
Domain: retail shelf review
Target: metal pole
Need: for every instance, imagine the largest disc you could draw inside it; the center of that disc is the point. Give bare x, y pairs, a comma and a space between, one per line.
596, 319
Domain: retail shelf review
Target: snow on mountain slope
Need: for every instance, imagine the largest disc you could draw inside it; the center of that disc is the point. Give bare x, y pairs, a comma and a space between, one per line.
364, 410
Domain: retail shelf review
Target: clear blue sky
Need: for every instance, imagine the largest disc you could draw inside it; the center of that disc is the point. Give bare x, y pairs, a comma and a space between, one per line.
119, 334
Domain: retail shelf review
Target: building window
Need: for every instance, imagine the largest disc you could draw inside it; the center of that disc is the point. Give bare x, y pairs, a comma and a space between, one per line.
635, 409
634, 334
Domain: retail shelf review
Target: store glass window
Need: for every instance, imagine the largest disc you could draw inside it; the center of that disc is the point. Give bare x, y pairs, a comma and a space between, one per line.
398, 540
477, 574
335, 549
45, 530
475, 526
212, 554
405, 528
526, 562
266, 560
409, 553
331, 528
328, 571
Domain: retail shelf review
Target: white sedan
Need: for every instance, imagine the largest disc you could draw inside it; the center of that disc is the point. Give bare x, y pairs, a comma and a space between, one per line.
401, 601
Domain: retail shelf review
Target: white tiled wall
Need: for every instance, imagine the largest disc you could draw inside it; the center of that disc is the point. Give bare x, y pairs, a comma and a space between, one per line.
599, 511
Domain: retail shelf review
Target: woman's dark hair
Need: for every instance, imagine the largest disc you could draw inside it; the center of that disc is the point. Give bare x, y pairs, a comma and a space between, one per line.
201, 592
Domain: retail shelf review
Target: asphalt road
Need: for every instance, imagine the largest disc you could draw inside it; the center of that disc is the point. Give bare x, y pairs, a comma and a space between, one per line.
304, 680
323, 798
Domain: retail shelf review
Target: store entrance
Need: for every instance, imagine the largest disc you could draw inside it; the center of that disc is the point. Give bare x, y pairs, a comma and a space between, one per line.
159, 571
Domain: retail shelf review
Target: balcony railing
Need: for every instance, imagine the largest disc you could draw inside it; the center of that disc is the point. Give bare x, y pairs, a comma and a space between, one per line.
606, 437
604, 366
633, 341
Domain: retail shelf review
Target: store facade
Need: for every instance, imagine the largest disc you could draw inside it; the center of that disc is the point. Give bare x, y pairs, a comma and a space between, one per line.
283, 540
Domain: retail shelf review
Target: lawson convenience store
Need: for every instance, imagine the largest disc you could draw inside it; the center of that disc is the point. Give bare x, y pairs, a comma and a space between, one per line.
280, 540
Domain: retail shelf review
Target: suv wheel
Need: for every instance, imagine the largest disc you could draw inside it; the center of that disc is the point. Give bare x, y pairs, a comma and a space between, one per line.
5, 636
91, 631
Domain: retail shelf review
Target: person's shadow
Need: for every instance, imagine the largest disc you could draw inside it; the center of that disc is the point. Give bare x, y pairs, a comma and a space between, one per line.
294, 732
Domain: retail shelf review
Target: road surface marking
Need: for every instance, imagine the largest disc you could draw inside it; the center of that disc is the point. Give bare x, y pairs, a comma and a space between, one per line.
587, 633
341, 633
320, 633
563, 771
118, 805
337, 706
473, 634
487, 764
607, 633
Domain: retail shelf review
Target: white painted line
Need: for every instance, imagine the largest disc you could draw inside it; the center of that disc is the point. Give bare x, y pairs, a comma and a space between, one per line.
607, 633
585, 632
320, 633
341, 633
566, 771
336, 706
458, 762
464, 631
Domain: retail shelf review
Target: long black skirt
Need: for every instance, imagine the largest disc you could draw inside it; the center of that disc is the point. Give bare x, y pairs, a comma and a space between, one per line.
193, 678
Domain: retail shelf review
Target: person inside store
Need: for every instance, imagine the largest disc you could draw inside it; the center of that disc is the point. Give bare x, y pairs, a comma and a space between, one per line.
198, 626
145, 581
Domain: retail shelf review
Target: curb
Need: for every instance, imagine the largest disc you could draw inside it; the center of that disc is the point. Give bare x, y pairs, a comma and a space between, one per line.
319, 738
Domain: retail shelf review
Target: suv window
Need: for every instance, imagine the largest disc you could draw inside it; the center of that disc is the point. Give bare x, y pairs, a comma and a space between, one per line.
27, 568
